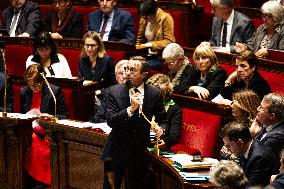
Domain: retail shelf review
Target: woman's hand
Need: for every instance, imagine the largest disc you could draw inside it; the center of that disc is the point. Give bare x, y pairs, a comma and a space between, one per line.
240, 47
45, 117
202, 92
231, 79
143, 46
261, 53
56, 36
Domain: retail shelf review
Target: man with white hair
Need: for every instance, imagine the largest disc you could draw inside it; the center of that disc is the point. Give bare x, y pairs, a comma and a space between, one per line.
229, 26
179, 67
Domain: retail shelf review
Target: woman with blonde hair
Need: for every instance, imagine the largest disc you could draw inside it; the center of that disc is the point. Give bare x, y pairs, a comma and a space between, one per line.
209, 78
174, 112
94, 64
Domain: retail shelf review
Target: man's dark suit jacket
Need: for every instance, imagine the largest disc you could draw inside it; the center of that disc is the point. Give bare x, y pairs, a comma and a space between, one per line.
9, 96
131, 132
260, 165
103, 72
242, 30
47, 102
274, 138
29, 20
72, 26
122, 28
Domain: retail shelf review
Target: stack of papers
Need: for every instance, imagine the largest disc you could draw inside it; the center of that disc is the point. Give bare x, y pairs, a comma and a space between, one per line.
195, 178
152, 135
87, 125
19, 116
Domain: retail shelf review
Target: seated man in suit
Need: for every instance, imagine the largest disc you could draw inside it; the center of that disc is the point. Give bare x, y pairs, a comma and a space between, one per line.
127, 109
22, 18
229, 26
111, 23
270, 118
256, 159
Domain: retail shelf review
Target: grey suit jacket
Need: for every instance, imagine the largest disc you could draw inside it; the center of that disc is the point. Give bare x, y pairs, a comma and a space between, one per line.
242, 30
277, 40
29, 20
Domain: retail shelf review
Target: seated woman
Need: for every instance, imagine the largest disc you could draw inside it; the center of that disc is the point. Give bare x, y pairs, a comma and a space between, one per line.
36, 99
45, 53
209, 79
174, 112
156, 31
246, 77
179, 67
64, 22
269, 35
94, 64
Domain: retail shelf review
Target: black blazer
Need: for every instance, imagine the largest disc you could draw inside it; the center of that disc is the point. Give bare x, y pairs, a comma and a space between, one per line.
47, 103
215, 81
260, 165
122, 28
9, 94
257, 83
73, 28
103, 72
131, 132
174, 117
29, 20
274, 139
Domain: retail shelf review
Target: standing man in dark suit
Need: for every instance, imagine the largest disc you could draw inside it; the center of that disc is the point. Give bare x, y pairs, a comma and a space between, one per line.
257, 160
22, 18
270, 117
111, 23
130, 133
229, 26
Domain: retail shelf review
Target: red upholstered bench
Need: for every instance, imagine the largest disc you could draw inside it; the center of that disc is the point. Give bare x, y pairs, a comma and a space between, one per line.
17, 99
257, 22
85, 10
178, 27
116, 55
72, 56
16, 57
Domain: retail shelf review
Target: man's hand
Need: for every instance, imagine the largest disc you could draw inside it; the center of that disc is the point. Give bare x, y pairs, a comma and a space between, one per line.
261, 53
240, 47
135, 102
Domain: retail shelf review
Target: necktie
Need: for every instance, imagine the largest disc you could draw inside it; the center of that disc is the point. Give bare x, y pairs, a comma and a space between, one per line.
224, 36
13, 24
263, 133
103, 30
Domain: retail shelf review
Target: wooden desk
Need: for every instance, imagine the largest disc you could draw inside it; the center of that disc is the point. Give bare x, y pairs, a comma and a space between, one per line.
15, 139
76, 163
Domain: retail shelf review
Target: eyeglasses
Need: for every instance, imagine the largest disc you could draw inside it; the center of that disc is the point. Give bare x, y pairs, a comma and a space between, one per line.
173, 63
130, 69
90, 45
267, 16
100, 1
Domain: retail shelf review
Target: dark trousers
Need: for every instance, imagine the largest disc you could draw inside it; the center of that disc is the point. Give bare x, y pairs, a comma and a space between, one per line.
135, 170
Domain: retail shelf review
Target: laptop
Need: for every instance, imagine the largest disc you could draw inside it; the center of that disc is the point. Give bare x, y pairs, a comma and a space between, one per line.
277, 55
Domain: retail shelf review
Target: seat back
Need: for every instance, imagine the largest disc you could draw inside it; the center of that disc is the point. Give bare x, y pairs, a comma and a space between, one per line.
72, 56
116, 55
200, 130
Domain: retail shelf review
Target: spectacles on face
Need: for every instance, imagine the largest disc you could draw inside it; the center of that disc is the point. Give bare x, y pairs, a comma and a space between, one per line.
91, 46
41, 49
100, 1
130, 69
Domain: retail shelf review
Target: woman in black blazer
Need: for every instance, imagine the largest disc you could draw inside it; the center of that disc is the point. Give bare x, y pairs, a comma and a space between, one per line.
36, 99
174, 112
94, 64
64, 22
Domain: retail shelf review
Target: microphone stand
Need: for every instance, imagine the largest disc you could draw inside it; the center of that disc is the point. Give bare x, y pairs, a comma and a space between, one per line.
55, 119
4, 114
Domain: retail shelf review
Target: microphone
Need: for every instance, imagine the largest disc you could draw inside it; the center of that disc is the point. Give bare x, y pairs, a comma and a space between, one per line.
2, 47
42, 73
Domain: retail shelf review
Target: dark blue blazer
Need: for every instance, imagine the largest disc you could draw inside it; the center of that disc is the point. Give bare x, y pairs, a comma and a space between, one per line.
131, 132
9, 96
122, 28
274, 139
47, 102
260, 165
29, 20
103, 72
